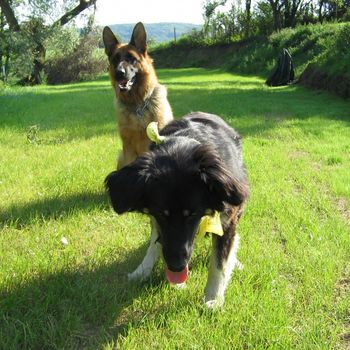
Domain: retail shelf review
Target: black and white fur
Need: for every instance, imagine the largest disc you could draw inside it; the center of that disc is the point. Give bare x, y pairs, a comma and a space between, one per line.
197, 170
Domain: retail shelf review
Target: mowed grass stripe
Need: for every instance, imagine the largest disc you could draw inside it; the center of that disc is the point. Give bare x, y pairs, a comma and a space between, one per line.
295, 245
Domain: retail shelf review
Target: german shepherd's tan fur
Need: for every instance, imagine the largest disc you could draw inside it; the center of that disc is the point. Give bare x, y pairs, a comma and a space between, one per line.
140, 99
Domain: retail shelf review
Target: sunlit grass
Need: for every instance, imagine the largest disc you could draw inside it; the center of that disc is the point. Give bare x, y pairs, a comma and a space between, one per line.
58, 144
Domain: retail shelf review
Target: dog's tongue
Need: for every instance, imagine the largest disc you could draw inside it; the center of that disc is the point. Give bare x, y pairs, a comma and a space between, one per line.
177, 277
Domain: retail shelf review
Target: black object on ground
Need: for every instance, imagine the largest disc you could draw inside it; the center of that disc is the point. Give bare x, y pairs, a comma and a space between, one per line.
283, 73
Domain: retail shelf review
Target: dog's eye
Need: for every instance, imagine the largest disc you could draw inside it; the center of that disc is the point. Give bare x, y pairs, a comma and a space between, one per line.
130, 58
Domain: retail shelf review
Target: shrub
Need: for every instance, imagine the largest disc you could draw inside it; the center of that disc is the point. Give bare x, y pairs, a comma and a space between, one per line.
80, 64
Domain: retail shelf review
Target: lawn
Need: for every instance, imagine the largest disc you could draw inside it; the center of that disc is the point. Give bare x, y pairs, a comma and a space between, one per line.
64, 254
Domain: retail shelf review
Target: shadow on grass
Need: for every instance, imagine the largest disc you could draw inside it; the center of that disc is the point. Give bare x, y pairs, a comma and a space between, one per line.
72, 310
52, 208
82, 88
88, 110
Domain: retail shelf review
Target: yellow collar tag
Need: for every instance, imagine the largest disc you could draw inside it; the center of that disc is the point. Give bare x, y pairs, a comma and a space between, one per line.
153, 134
210, 224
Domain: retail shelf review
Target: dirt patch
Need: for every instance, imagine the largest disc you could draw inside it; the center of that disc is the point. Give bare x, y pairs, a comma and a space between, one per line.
344, 209
313, 77
298, 154
346, 340
342, 292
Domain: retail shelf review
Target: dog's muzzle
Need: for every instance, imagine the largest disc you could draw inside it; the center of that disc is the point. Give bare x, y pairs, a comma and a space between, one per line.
125, 77
125, 84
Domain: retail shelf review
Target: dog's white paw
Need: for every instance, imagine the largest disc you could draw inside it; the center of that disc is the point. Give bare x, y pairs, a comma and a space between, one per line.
214, 304
133, 276
137, 275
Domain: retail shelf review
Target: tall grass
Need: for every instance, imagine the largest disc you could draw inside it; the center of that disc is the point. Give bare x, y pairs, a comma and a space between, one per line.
64, 254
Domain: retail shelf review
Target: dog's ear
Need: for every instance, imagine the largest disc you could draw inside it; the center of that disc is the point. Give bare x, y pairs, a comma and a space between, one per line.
223, 186
110, 41
139, 38
127, 187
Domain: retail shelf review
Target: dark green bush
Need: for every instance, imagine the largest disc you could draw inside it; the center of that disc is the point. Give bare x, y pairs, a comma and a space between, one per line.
80, 64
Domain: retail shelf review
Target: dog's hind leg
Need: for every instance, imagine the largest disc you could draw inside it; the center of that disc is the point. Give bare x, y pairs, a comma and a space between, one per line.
222, 262
153, 253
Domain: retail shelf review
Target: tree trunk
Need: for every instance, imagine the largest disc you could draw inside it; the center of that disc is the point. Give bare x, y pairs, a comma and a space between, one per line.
276, 13
39, 61
2, 25
9, 15
290, 13
320, 15
248, 4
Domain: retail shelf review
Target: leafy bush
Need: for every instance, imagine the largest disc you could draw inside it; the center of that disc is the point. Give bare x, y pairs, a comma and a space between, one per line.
336, 58
80, 64
62, 40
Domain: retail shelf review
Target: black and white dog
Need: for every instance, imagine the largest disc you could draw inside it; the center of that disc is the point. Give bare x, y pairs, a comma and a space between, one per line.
197, 170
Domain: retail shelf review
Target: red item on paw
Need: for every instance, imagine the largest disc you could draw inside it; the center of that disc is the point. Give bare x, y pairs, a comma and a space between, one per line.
177, 277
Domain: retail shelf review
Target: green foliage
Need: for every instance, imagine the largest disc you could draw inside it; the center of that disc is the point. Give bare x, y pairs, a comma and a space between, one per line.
327, 44
336, 59
305, 43
23, 46
263, 18
23, 42
293, 292
245, 20
79, 64
61, 41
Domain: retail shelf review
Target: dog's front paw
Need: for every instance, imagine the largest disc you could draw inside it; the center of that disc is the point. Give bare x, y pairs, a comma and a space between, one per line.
214, 304
132, 276
139, 274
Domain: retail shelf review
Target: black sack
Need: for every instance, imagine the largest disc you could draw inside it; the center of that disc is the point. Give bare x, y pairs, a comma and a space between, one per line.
283, 73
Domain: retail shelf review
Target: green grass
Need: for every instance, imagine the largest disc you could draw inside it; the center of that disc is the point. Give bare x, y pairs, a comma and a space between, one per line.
326, 45
58, 143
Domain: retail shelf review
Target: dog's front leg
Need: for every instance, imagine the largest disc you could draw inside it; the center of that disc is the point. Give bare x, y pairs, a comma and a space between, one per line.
154, 252
223, 260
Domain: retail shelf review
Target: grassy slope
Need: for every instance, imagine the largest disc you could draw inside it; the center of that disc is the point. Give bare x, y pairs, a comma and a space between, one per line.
324, 47
294, 290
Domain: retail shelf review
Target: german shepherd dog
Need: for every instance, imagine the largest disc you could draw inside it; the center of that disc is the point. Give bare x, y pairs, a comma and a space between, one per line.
198, 169
140, 99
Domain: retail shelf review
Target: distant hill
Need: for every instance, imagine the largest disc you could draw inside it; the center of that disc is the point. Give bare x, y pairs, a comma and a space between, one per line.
160, 32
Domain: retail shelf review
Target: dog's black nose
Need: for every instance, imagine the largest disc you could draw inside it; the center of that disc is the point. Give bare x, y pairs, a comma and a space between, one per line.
120, 73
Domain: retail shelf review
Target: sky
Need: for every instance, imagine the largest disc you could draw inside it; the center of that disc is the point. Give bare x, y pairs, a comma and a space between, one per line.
148, 11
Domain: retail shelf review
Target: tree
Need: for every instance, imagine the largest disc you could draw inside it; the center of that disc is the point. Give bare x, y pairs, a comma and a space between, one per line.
291, 9
248, 16
35, 28
276, 7
210, 20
